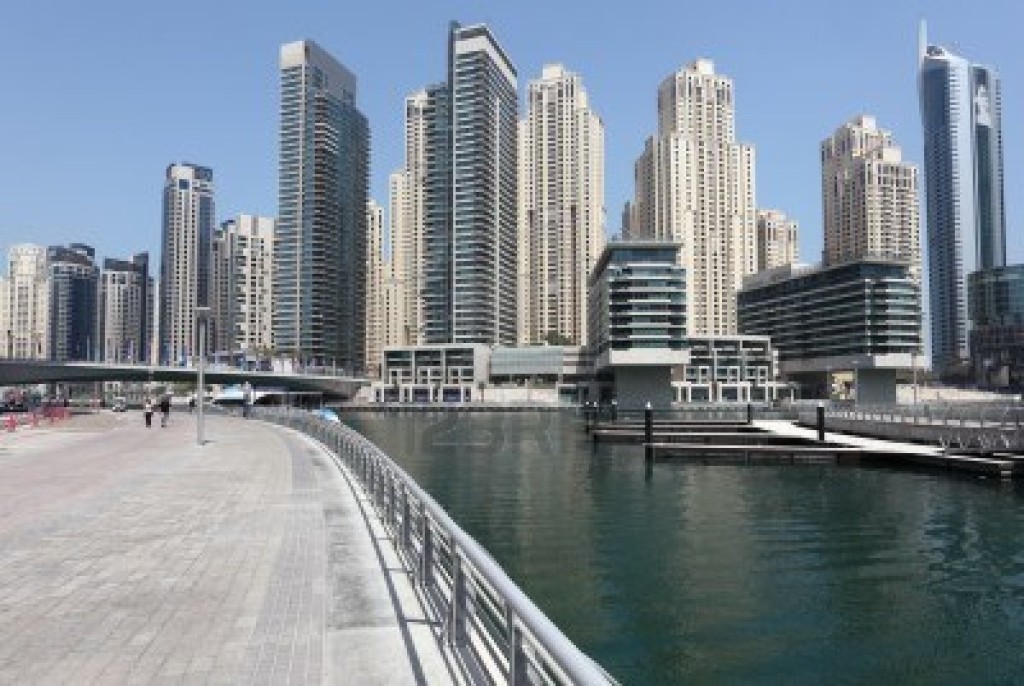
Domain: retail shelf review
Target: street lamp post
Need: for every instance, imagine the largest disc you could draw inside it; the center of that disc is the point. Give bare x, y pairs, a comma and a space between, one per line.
202, 315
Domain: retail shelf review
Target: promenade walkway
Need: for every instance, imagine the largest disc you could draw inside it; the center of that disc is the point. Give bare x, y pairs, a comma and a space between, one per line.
132, 555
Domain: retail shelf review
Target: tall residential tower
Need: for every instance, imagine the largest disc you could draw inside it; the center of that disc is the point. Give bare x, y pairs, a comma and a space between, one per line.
961, 110
561, 207
695, 187
320, 251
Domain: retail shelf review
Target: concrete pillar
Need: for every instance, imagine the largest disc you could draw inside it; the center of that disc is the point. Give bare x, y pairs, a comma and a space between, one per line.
876, 386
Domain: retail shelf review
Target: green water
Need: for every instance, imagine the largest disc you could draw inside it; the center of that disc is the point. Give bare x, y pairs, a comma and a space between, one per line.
734, 575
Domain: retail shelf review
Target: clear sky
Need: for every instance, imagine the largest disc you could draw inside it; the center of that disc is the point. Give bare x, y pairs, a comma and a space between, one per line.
98, 97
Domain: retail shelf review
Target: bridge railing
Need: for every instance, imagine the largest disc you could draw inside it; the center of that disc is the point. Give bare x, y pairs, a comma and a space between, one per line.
486, 617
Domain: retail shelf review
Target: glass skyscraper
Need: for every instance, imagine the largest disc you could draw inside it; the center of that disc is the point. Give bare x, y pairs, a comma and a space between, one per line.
961, 110
320, 248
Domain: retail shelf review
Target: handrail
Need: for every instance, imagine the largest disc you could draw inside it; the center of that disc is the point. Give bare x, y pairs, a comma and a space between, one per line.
445, 559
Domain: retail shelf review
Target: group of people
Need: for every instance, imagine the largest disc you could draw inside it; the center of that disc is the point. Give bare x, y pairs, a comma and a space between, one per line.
165, 410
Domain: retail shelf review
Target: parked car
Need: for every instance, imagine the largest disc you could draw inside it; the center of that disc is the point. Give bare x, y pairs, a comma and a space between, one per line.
120, 404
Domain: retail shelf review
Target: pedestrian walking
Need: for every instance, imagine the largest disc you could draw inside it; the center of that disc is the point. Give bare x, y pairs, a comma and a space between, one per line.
191, 404
165, 409
147, 410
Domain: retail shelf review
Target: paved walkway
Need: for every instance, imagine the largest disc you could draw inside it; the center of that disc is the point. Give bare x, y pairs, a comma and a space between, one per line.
132, 555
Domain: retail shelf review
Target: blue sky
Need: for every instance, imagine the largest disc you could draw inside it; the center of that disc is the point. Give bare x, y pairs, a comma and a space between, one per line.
99, 97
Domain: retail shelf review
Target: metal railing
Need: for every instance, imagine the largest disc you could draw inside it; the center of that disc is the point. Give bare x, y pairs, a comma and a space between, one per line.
485, 616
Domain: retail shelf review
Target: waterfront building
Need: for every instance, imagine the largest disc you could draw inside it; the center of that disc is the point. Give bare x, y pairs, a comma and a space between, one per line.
861, 316
776, 240
243, 285
731, 369
25, 301
868, 196
637, 320
188, 222
961, 114
457, 251
695, 187
319, 280
996, 307
126, 313
375, 300
561, 207
74, 303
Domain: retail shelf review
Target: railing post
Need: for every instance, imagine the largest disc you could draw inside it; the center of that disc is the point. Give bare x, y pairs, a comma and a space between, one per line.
516, 656
457, 608
821, 423
406, 521
427, 554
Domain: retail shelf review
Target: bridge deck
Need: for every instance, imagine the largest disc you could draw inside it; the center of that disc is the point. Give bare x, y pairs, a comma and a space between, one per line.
133, 555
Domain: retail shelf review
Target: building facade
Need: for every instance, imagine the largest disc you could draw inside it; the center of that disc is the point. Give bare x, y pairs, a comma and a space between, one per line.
561, 207
961, 115
319, 280
695, 186
996, 305
776, 240
637, 319
724, 369
25, 304
242, 301
869, 196
125, 310
861, 316
74, 303
188, 222
375, 301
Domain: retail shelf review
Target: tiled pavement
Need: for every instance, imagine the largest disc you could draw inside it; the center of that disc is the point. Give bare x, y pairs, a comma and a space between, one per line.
131, 555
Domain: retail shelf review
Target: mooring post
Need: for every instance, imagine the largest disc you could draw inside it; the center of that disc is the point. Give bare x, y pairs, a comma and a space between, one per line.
750, 413
649, 433
587, 415
821, 422
615, 410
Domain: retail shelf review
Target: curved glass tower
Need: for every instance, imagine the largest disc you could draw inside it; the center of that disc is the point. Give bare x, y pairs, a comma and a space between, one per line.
961, 111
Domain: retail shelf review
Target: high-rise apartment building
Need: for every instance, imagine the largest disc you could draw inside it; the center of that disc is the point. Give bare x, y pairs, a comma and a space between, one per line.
74, 303
454, 204
25, 304
320, 251
125, 311
561, 207
776, 240
695, 187
375, 273
242, 291
188, 221
869, 197
961, 112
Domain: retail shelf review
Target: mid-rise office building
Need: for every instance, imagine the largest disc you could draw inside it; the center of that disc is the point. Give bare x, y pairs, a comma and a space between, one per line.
561, 207
961, 113
25, 304
126, 313
456, 199
188, 222
243, 285
695, 186
637, 319
861, 316
869, 196
996, 300
320, 253
776, 240
74, 303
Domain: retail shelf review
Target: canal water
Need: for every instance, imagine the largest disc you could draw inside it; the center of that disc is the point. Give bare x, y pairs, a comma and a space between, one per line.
719, 574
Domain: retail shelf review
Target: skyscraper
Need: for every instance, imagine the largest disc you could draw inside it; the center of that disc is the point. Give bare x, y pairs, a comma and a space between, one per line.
320, 251
695, 186
776, 240
74, 303
454, 203
561, 207
869, 197
26, 304
188, 220
375, 261
241, 301
961, 112
125, 317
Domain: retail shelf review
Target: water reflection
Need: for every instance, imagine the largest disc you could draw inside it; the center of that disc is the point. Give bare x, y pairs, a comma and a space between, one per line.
733, 574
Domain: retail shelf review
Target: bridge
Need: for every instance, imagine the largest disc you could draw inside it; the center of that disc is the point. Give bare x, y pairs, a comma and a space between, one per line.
14, 372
